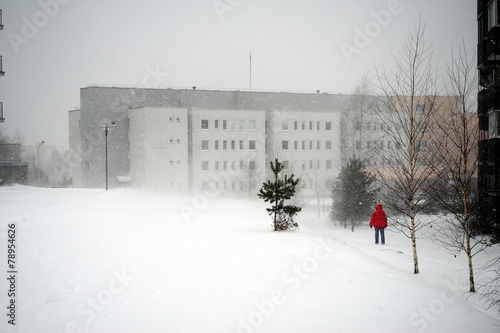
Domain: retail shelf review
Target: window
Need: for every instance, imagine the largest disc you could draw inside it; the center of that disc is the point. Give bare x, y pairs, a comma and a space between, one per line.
87, 166
328, 164
242, 165
328, 145
216, 124
303, 125
311, 145
242, 124
204, 165
233, 144
233, 165
178, 140
241, 144
303, 145
204, 145
318, 126
494, 124
303, 165
284, 145
295, 125
492, 14
310, 125
204, 124
310, 164
224, 124
224, 144
286, 165
171, 119
318, 164
328, 126
318, 145
295, 145
224, 165
284, 125
216, 165
233, 124
216, 144
251, 144
252, 125
178, 120
420, 108
251, 165
87, 144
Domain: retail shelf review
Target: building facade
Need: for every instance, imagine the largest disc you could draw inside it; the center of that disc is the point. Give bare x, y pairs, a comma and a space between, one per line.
488, 61
182, 140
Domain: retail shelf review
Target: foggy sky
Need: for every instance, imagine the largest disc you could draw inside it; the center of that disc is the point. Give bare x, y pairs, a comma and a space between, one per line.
52, 48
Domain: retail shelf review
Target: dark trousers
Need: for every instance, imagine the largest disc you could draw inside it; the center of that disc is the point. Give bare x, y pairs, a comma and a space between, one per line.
382, 235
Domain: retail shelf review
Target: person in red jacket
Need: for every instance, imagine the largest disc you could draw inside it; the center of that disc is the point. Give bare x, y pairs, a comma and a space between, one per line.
379, 221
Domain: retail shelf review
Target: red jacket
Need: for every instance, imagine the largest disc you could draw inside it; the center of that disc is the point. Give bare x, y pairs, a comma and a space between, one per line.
379, 219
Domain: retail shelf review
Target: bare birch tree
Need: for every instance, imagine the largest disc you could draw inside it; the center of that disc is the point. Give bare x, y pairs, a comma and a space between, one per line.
405, 110
456, 164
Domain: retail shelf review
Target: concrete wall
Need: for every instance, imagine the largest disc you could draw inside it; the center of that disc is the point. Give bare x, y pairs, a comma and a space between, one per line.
159, 149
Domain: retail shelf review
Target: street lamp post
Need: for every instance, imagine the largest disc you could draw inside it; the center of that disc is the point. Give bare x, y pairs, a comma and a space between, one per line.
38, 163
106, 127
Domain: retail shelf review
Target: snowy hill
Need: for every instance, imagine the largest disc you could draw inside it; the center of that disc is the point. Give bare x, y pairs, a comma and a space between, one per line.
129, 261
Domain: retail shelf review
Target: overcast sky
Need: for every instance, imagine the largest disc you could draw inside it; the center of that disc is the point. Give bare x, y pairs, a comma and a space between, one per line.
52, 48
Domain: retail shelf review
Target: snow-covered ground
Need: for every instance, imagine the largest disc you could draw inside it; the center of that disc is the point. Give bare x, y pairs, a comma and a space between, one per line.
130, 261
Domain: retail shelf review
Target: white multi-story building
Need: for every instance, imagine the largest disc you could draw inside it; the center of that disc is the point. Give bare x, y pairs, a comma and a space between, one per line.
187, 140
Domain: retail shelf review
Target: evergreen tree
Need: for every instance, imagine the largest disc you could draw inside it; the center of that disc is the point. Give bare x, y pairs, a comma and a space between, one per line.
276, 192
353, 194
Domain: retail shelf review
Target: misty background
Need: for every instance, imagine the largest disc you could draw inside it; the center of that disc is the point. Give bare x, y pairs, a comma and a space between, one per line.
52, 48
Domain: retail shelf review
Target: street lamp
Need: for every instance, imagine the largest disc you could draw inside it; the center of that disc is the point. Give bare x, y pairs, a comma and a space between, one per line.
38, 163
106, 127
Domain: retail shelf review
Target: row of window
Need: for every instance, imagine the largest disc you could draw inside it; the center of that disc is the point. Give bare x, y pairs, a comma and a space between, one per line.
242, 165
375, 144
226, 186
231, 124
225, 165
304, 125
304, 145
229, 144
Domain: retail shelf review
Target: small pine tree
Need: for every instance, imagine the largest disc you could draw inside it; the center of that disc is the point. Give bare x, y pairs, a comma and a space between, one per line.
353, 194
276, 192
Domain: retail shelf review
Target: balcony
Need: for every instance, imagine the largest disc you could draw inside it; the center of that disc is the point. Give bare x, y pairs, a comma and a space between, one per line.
488, 99
10, 152
483, 122
489, 152
482, 104
488, 48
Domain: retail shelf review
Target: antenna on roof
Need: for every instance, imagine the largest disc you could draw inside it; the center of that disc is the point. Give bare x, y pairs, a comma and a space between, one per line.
250, 70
